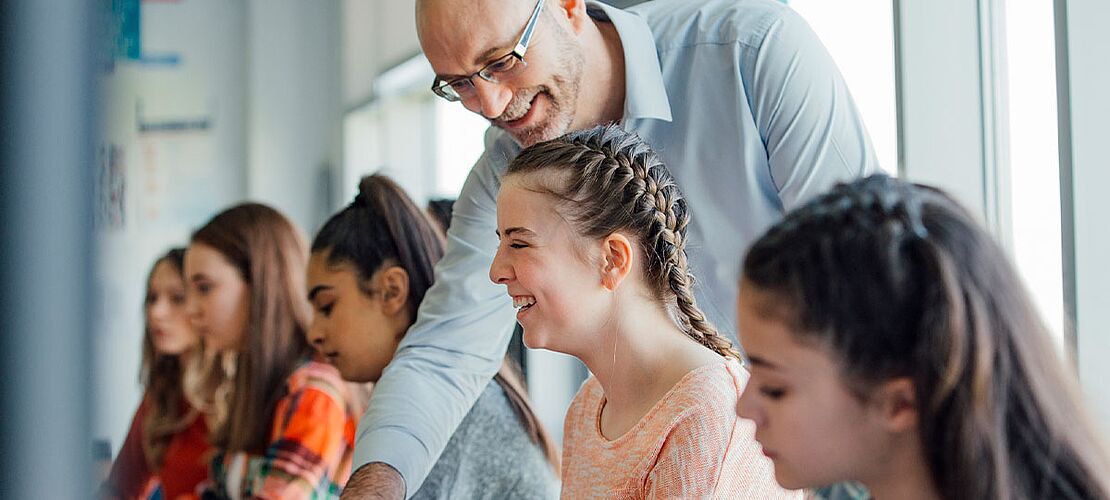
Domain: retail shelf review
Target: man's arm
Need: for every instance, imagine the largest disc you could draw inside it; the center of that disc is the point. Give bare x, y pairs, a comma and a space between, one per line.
374, 481
814, 134
447, 357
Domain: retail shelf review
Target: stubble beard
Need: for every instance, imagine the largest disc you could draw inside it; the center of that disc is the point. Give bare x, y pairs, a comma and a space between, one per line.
562, 101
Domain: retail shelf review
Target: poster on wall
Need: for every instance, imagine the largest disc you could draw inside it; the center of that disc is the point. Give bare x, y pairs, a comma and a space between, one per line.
110, 191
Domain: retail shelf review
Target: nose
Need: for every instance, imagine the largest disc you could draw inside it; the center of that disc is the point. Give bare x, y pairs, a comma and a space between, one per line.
489, 100
316, 334
748, 406
500, 272
159, 309
192, 308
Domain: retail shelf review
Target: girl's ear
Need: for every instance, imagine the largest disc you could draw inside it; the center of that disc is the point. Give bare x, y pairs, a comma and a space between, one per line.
394, 284
896, 400
617, 260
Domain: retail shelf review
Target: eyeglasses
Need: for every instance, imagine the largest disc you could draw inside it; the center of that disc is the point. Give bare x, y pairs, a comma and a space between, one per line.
501, 69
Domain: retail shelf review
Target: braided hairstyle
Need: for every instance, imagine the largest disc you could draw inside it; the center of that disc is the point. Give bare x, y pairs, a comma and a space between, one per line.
897, 280
607, 180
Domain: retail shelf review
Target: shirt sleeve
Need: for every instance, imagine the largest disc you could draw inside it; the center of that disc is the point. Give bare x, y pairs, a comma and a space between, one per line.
130, 476
813, 132
308, 436
452, 351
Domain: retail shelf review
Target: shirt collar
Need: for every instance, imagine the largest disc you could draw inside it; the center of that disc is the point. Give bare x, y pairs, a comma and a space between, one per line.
645, 96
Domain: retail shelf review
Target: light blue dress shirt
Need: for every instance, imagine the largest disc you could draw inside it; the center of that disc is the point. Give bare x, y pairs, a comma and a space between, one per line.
752, 117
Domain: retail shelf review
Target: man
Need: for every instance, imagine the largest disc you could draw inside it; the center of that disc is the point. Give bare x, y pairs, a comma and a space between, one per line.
738, 97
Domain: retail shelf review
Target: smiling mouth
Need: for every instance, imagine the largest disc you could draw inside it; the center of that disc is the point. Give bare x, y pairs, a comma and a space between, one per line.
523, 303
516, 121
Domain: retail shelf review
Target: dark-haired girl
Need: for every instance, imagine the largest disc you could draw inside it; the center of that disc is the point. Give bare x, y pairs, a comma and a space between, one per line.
371, 265
592, 252
892, 343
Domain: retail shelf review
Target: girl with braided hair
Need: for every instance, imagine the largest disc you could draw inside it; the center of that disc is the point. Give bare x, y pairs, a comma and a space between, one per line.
592, 235
892, 343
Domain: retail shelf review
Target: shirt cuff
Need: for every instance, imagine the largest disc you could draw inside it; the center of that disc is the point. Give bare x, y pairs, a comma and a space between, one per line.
400, 450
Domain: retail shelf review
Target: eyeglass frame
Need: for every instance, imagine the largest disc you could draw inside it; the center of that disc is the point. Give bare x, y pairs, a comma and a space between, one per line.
439, 87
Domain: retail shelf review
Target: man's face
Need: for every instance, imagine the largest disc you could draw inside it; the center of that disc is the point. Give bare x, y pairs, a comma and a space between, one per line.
540, 102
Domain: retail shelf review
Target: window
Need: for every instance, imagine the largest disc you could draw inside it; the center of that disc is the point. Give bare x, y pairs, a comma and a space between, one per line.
859, 35
1034, 156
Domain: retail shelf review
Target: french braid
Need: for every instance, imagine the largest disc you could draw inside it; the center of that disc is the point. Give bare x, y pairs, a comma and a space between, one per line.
611, 180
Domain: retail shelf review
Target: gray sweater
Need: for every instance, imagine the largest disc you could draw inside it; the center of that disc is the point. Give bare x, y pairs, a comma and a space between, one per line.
491, 456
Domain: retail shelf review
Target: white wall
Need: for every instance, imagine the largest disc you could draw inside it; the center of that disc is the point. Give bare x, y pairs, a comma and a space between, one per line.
265, 78
172, 180
293, 106
377, 34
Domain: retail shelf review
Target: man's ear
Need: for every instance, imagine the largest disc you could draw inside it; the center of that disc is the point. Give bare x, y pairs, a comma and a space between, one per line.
394, 283
617, 260
575, 13
896, 400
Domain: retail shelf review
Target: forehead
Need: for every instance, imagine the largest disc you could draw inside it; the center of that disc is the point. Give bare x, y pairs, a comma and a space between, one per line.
321, 271
765, 335
459, 35
165, 274
519, 204
203, 258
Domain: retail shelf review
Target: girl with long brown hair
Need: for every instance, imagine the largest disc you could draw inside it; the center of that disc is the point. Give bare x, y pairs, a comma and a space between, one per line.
892, 343
288, 429
371, 265
593, 254
167, 444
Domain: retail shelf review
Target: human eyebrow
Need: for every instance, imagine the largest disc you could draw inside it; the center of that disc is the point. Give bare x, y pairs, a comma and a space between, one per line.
316, 290
763, 363
520, 230
483, 60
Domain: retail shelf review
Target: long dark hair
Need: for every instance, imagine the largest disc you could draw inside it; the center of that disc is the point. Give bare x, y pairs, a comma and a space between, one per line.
609, 180
383, 226
167, 410
270, 255
900, 281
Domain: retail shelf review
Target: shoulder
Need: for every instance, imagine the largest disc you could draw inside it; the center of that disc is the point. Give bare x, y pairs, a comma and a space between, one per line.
589, 395
500, 149
492, 452
706, 396
684, 23
493, 414
484, 181
317, 377
492, 404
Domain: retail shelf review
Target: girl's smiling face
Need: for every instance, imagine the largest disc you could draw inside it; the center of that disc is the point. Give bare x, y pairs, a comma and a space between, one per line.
814, 429
552, 274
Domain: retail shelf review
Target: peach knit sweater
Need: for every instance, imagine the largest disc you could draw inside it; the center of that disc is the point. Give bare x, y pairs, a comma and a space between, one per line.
689, 445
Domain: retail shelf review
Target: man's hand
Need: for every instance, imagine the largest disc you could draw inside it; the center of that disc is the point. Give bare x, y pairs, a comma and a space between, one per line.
375, 481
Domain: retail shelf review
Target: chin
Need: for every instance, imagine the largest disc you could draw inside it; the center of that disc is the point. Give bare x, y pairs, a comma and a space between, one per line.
552, 127
792, 482
534, 339
356, 377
